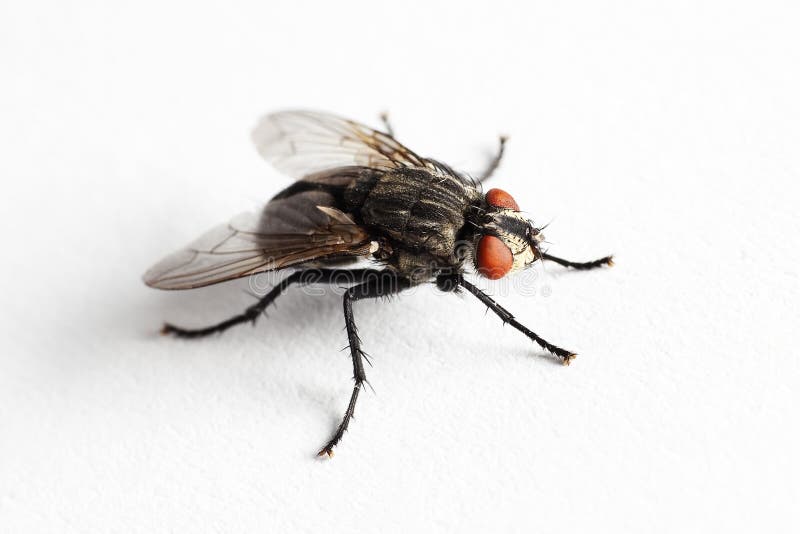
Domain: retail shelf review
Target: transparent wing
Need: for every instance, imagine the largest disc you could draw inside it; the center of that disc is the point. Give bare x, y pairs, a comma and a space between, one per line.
289, 231
299, 143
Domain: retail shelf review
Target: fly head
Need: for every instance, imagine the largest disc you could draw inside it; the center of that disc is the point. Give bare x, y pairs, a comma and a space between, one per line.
506, 241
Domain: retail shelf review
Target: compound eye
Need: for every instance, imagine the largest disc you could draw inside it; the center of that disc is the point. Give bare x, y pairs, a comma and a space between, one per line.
494, 257
500, 199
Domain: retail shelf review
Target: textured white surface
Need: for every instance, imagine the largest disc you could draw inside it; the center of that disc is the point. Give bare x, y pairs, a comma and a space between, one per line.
666, 133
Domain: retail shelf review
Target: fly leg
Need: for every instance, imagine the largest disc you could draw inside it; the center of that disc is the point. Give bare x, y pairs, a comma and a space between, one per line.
385, 284
249, 315
506, 316
387, 124
308, 276
583, 266
495, 161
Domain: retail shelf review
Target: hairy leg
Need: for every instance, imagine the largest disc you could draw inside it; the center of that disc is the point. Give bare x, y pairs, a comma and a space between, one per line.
584, 266
386, 284
495, 161
307, 276
506, 316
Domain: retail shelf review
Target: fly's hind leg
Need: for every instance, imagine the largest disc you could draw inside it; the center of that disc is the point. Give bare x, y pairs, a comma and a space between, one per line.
384, 284
583, 266
248, 316
252, 313
386, 123
495, 161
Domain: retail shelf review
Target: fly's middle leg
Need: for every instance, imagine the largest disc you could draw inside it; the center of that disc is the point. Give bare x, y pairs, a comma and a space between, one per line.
506, 316
386, 283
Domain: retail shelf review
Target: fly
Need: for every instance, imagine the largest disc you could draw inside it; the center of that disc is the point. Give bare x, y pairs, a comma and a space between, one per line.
360, 194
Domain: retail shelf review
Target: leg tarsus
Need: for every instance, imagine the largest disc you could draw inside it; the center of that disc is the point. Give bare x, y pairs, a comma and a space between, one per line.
495, 161
190, 333
342, 428
582, 266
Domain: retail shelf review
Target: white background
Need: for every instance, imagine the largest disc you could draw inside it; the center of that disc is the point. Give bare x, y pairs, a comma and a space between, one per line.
665, 132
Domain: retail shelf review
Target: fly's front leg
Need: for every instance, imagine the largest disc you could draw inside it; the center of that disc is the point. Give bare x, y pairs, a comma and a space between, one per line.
565, 355
385, 283
583, 266
495, 161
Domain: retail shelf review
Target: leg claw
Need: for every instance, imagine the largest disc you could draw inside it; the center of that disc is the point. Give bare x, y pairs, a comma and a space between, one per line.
326, 451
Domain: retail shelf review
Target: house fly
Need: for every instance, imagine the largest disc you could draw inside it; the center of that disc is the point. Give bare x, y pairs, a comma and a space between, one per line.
360, 194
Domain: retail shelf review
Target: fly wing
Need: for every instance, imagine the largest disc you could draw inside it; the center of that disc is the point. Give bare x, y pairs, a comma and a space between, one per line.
289, 231
299, 143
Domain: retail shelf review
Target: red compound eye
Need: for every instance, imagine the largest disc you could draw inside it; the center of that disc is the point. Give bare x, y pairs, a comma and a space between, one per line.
494, 257
500, 199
